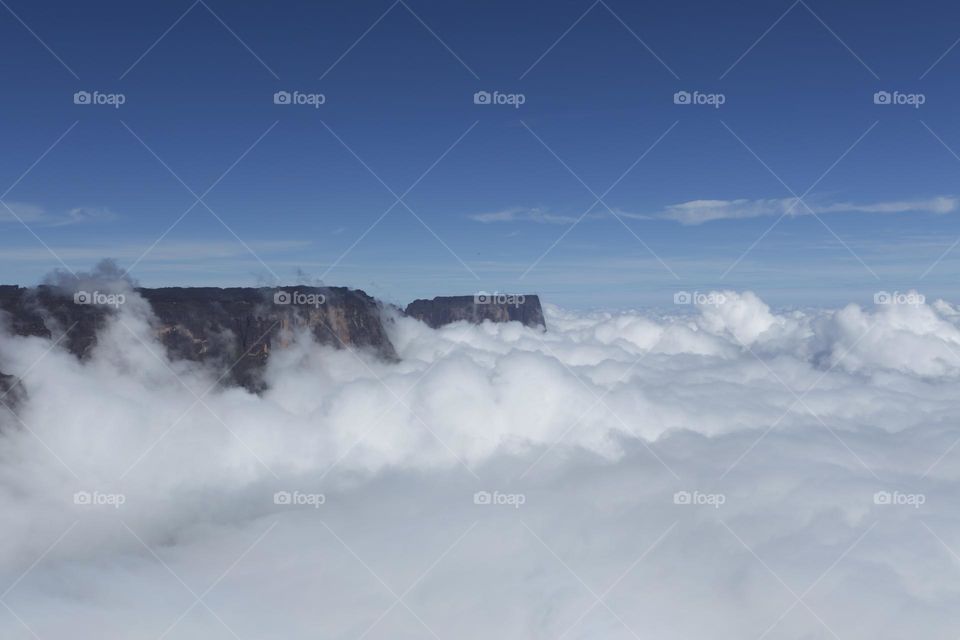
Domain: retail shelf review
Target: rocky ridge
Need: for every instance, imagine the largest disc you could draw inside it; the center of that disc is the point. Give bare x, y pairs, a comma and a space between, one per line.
479, 308
235, 329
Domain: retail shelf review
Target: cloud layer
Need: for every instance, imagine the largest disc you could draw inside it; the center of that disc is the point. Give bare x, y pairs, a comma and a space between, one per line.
696, 212
802, 441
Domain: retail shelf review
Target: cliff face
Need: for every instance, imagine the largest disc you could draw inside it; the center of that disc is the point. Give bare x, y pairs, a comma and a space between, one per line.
232, 329
44, 311
9, 393
476, 309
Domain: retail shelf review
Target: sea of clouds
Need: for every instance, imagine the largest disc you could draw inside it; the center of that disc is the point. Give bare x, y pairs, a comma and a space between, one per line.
725, 472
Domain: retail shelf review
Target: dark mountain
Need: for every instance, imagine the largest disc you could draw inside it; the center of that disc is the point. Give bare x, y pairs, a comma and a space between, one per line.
235, 329
476, 309
9, 390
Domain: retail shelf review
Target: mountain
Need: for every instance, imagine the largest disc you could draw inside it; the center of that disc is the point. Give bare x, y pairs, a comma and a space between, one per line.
235, 329
8, 389
494, 307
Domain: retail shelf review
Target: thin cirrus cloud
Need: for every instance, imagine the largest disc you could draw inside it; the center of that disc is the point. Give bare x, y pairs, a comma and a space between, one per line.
697, 212
38, 215
523, 214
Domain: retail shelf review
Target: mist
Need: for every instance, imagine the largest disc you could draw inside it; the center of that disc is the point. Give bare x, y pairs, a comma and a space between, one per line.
725, 471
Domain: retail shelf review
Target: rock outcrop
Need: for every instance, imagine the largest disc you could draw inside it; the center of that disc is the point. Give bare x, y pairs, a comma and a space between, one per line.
8, 389
12, 393
232, 329
235, 329
476, 309
45, 311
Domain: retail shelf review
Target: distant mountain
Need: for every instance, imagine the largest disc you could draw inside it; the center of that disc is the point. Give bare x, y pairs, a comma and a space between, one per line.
235, 329
477, 308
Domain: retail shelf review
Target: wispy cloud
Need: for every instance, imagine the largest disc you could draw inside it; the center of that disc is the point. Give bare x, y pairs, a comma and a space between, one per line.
696, 212
35, 214
523, 214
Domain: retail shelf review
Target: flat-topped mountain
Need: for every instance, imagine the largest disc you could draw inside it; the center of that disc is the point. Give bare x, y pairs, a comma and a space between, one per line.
235, 329
494, 307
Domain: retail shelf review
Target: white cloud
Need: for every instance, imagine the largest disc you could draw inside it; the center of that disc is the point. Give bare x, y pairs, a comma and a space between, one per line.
701, 402
696, 212
523, 214
34, 214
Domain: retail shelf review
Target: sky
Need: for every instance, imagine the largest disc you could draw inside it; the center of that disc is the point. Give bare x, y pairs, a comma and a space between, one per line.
583, 179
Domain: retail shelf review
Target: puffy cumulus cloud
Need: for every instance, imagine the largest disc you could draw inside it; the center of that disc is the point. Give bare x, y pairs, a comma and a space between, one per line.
745, 317
910, 337
728, 472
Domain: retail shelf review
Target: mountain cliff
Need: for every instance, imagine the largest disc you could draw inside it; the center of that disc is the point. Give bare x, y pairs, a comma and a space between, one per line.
235, 329
8, 389
477, 308
232, 329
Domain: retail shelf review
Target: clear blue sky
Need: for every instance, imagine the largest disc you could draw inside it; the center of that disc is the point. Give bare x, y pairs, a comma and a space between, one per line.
401, 96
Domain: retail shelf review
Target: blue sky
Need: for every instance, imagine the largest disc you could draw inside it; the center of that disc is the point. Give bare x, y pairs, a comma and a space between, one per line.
501, 196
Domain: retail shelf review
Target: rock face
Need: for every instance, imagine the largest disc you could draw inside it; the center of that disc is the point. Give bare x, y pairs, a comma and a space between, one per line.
476, 309
45, 311
10, 391
232, 329
238, 327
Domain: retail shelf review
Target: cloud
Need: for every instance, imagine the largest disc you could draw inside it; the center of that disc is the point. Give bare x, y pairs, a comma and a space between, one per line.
522, 214
696, 212
34, 214
820, 429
